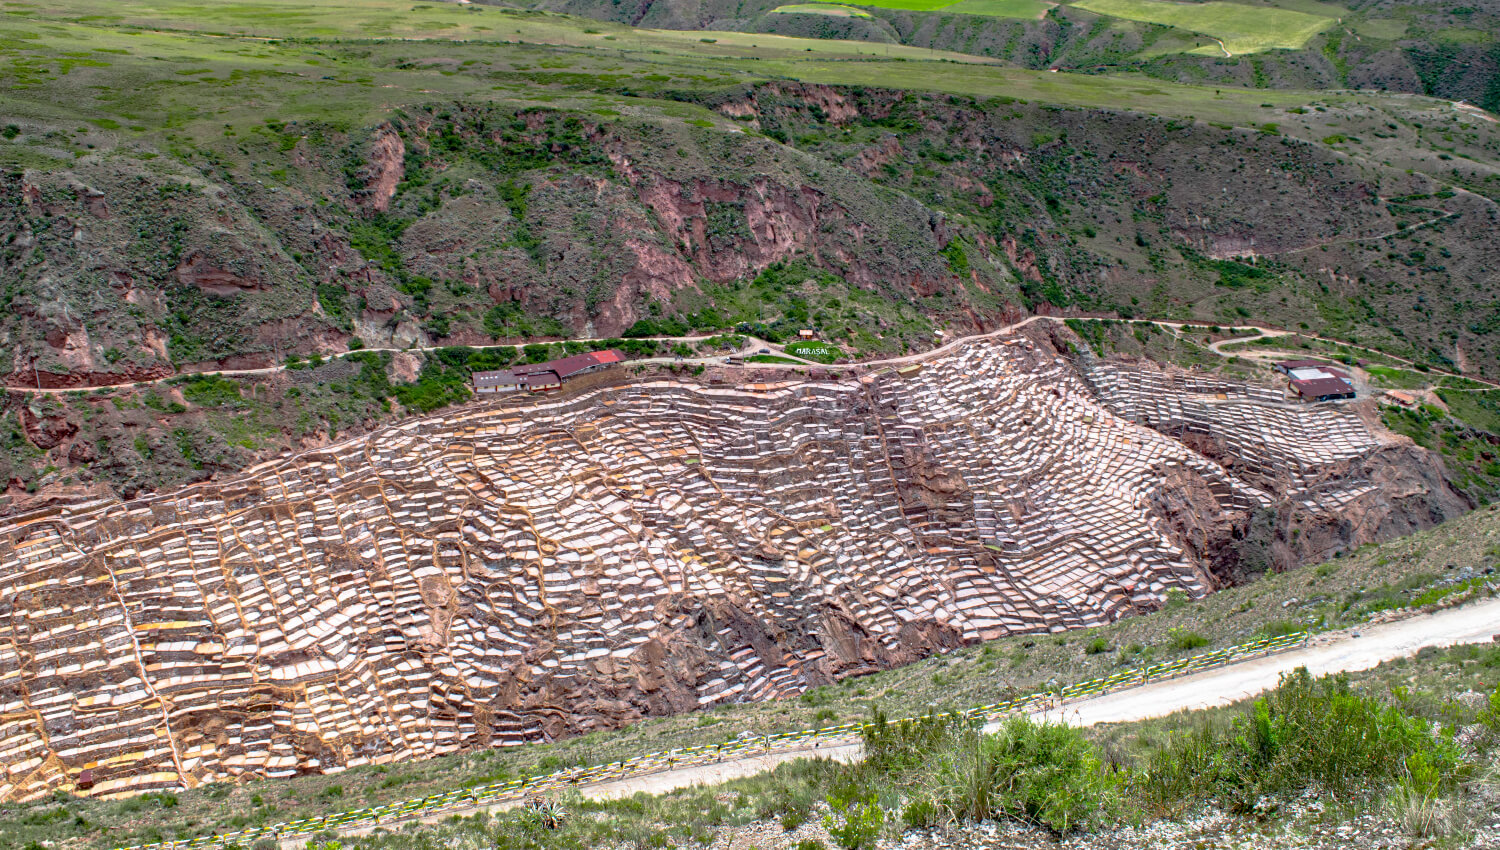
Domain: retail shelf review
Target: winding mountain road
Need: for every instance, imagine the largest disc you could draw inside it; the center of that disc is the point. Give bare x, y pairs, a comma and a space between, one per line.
753, 345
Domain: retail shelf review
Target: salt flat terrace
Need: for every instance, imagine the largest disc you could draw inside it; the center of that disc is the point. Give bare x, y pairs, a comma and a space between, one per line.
1267, 435
502, 574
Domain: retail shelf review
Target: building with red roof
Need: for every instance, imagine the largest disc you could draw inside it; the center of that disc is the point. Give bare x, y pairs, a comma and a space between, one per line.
542, 377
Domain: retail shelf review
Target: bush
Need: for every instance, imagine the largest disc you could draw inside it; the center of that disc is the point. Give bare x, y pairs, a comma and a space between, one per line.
856, 820
1182, 639
1042, 774
1303, 734
1097, 646
211, 390
1278, 628
1418, 802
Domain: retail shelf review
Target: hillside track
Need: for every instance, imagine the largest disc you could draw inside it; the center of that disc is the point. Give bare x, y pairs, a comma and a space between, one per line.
754, 344
1346, 651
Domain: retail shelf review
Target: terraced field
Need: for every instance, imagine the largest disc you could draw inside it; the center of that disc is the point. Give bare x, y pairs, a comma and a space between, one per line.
505, 574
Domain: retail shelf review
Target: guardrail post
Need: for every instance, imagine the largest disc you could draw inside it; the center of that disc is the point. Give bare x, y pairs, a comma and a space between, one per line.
1046, 700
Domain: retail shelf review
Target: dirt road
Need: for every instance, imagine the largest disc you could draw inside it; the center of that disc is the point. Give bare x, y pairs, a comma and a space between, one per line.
1333, 652
754, 345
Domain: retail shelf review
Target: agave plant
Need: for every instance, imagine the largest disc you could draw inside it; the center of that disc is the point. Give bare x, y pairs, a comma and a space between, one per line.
543, 813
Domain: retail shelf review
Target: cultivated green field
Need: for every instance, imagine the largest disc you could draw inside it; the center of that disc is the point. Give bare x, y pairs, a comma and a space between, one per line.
1240, 28
910, 5
832, 10
1001, 8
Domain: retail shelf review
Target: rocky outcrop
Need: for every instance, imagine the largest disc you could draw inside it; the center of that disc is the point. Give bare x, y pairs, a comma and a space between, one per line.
731, 231
1408, 492
198, 270
878, 155
1185, 504
387, 165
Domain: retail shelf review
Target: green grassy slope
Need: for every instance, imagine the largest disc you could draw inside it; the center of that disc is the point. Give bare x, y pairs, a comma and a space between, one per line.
193, 146
1438, 47
1240, 28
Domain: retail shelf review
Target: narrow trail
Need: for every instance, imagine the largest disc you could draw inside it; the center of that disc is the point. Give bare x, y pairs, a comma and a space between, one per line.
1271, 333
1400, 231
1350, 650
753, 346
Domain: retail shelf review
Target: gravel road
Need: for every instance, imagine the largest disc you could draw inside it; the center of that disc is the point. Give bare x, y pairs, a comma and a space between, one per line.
1334, 652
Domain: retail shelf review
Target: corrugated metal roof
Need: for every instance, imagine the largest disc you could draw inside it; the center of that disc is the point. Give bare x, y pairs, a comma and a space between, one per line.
548, 373
570, 366
501, 378
548, 378
1323, 386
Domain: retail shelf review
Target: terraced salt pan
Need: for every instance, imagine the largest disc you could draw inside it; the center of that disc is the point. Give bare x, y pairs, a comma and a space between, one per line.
442, 584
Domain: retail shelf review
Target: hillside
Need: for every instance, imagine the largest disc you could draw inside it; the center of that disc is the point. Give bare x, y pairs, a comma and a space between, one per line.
254, 525
1438, 48
526, 571
504, 176
1371, 584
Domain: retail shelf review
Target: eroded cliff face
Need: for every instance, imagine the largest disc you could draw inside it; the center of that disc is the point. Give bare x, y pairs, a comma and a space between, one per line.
496, 575
1405, 491
1322, 497
1185, 505
462, 224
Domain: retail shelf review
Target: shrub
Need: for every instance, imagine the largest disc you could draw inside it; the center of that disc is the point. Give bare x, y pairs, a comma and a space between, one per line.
856, 820
1278, 628
1417, 803
211, 390
1097, 646
1042, 774
1182, 639
1305, 733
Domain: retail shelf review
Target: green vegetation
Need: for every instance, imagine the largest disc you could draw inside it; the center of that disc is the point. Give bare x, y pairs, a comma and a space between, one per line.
820, 352
1305, 734
1241, 28
830, 9
1480, 408
943, 770
1001, 8
1343, 592
1183, 639
910, 5
787, 297
770, 358
1365, 742
1402, 379
1471, 456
